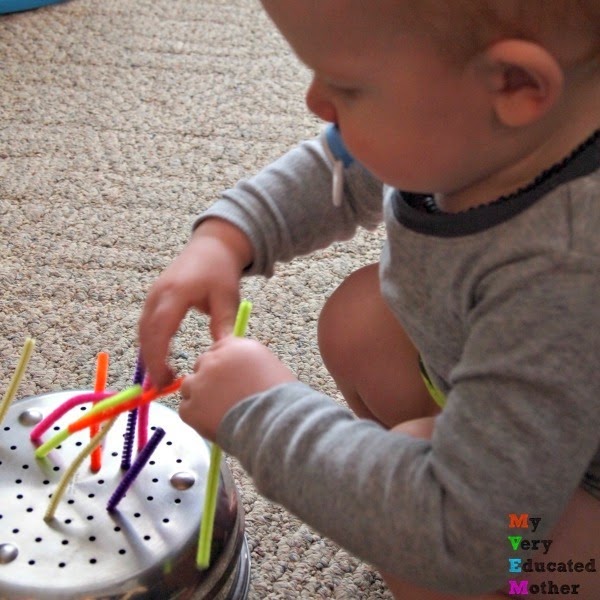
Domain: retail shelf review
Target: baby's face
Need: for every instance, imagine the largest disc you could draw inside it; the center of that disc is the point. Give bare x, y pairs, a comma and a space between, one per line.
403, 112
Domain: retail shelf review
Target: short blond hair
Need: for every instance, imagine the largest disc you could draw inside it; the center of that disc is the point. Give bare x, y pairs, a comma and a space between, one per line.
568, 28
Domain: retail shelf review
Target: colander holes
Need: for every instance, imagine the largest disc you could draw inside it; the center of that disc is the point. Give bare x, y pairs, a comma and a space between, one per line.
38, 539
62, 565
178, 461
57, 468
68, 521
177, 500
18, 481
31, 562
147, 537
122, 551
91, 495
30, 509
117, 529
92, 538
19, 496
100, 481
46, 482
150, 498
15, 530
137, 515
13, 447
78, 443
169, 443
56, 428
93, 561
65, 542
7, 428
154, 480
152, 462
90, 517
114, 454
70, 501
82, 408
25, 467
166, 520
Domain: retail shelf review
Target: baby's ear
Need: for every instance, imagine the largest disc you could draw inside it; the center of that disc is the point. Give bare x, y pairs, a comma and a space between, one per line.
524, 78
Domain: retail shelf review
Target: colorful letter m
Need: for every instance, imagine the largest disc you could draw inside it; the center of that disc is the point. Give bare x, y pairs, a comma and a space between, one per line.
518, 588
520, 521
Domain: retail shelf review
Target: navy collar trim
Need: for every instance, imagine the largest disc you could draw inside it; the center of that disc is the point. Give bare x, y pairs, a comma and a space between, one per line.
583, 161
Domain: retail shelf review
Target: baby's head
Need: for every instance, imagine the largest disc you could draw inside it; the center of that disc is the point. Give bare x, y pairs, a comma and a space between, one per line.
570, 29
420, 88
461, 28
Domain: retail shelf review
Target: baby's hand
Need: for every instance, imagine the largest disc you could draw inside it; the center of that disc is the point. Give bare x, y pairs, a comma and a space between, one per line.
205, 276
233, 369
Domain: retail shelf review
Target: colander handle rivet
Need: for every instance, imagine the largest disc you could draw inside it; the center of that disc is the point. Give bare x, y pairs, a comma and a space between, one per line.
8, 553
182, 480
30, 417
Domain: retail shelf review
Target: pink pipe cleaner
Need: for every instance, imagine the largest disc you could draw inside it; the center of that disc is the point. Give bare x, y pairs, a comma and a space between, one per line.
57, 413
143, 415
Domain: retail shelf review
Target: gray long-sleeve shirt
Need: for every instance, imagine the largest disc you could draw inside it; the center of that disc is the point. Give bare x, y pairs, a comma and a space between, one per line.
502, 302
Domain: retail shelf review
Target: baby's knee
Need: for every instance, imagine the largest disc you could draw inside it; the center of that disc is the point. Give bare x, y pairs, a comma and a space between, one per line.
334, 335
341, 327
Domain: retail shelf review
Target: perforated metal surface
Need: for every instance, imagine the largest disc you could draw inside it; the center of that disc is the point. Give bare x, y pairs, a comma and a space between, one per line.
146, 549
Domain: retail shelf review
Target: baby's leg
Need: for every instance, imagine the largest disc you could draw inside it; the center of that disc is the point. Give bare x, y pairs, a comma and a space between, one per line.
574, 539
370, 357
375, 367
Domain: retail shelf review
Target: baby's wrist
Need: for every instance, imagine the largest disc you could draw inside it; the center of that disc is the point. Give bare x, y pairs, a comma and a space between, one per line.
231, 236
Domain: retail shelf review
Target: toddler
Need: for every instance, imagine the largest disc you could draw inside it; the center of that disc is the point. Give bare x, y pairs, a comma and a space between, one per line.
469, 353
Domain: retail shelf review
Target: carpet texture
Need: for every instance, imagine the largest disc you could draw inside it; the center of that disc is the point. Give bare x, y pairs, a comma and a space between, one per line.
119, 122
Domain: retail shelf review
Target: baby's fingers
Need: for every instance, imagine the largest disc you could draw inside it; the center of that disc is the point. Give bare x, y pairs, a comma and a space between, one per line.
194, 411
224, 307
158, 323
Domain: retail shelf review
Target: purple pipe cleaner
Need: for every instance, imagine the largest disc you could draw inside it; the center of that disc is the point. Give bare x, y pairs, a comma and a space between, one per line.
140, 371
138, 378
128, 439
136, 467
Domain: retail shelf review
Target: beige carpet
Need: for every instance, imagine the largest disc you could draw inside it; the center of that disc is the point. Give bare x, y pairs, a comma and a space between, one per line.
119, 121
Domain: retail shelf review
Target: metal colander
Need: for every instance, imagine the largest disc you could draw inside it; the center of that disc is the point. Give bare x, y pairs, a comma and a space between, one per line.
145, 549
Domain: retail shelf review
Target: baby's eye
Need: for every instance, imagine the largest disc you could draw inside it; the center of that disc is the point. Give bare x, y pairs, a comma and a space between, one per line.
348, 93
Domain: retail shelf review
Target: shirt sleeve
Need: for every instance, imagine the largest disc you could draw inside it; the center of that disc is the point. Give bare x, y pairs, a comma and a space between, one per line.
286, 210
518, 432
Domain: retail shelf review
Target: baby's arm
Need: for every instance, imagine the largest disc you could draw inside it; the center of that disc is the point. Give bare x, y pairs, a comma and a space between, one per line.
287, 209
284, 211
211, 391
206, 276
428, 510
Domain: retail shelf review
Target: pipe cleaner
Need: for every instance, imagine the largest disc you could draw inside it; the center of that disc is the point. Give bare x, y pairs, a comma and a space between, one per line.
212, 481
15, 381
132, 417
99, 385
129, 477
